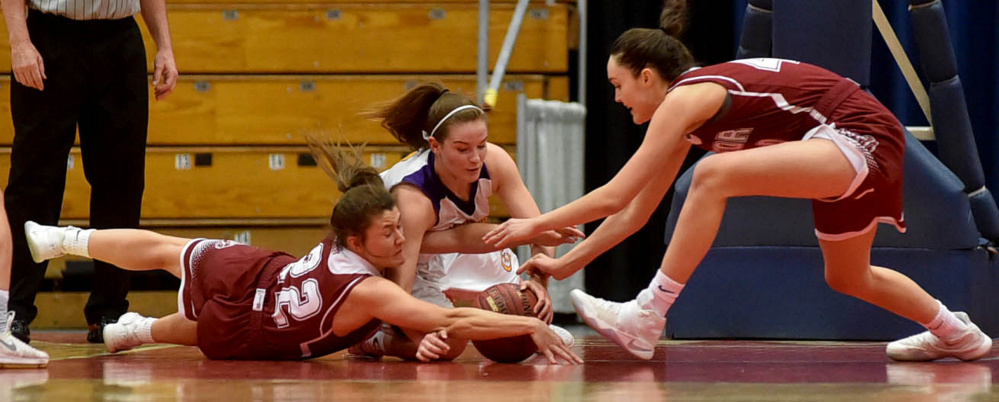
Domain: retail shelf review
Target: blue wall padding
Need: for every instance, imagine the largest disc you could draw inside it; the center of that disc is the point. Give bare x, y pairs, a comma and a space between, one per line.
756, 33
780, 293
983, 205
937, 212
936, 53
952, 127
835, 34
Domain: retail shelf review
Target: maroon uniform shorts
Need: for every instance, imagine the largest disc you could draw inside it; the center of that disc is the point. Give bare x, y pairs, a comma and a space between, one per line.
219, 285
875, 144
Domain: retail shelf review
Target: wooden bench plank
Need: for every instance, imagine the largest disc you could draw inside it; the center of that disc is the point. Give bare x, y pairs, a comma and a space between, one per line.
332, 2
239, 183
352, 38
244, 110
64, 310
359, 38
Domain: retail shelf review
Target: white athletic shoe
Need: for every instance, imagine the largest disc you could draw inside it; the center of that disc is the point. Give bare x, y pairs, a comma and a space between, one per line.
567, 339
971, 345
631, 327
45, 242
17, 354
123, 335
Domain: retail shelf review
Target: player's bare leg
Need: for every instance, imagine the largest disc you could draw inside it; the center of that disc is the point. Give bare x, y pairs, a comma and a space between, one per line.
131, 249
133, 330
848, 271
802, 169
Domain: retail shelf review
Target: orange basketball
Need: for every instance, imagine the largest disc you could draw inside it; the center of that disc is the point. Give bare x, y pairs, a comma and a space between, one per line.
506, 298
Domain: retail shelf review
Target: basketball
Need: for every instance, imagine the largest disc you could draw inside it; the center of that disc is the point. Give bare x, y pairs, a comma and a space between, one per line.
506, 298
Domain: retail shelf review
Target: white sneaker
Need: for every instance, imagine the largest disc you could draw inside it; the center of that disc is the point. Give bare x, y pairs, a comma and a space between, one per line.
971, 345
567, 339
17, 354
45, 242
631, 327
123, 335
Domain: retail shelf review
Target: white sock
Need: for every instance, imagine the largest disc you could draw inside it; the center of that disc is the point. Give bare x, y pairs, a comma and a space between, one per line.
77, 241
144, 330
4, 296
946, 325
660, 294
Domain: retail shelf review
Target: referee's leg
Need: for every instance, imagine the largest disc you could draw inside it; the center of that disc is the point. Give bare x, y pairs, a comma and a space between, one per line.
113, 140
44, 130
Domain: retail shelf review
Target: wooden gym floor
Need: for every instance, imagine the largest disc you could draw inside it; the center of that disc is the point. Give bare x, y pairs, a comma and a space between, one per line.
681, 370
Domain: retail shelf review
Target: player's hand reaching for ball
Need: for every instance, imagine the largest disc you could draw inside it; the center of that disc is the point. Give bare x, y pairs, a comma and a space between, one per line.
433, 346
555, 267
543, 308
550, 345
513, 231
554, 238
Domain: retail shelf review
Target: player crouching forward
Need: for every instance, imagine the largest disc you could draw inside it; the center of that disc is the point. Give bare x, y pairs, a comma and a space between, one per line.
243, 302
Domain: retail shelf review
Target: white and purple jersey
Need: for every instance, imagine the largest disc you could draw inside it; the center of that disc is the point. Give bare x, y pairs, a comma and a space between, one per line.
417, 170
437, 273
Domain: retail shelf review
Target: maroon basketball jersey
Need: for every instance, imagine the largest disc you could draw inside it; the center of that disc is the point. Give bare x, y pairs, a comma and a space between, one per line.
305, 295
774, 100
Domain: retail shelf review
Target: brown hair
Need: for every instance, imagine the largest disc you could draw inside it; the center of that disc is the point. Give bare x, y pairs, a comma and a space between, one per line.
420, 109
659, 49
364, 193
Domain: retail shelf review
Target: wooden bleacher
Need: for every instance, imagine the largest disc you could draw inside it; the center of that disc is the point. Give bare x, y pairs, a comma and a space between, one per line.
256, 74
241, 110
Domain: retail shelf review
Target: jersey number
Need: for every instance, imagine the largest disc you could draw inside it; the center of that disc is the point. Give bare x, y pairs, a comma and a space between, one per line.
301, 305
301, 302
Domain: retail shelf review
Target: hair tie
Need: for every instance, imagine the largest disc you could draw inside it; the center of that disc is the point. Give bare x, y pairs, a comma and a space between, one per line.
665, 31
427, 136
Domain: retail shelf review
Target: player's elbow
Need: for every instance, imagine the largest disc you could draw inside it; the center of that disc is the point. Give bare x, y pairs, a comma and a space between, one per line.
611, 204
638, 217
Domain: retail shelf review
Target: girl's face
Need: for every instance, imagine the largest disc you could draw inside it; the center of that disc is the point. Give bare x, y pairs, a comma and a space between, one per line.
462, 154
641, 95
382, 243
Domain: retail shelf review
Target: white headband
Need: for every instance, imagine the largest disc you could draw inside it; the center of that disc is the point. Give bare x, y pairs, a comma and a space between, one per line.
456, 110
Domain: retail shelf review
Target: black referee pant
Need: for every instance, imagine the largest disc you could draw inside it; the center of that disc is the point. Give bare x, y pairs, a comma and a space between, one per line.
96, 82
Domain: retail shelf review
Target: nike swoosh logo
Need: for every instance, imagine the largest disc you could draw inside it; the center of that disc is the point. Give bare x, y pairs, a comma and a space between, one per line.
664, 290
11, 346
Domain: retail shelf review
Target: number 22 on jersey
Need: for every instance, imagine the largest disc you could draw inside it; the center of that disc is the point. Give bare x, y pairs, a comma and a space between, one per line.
301, 302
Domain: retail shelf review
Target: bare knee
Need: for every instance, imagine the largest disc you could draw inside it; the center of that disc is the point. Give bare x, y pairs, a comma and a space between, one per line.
169, 258
710, 178
852, 285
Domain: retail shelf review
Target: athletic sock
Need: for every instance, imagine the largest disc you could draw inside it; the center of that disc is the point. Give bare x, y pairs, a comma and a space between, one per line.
4, 296
946, 325
660, 294
144, 331
77, 241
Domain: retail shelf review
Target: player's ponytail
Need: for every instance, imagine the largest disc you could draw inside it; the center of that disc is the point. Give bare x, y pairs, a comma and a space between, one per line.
673, 19
658, 49
427, 110
364, 194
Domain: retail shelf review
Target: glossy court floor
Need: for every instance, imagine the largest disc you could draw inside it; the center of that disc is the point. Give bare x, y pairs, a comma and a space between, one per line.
680, 370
